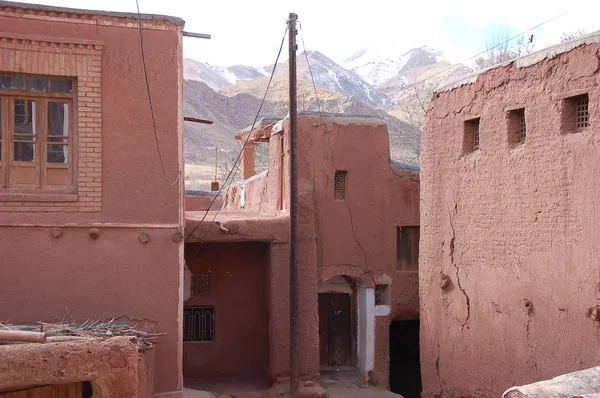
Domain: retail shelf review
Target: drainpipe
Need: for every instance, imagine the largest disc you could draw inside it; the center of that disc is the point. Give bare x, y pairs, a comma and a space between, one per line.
293, 209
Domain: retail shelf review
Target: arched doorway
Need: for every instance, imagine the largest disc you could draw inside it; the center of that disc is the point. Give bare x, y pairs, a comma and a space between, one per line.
405, 361
346, 324
337, 322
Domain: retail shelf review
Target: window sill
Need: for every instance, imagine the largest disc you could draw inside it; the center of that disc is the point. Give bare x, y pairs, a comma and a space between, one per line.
38, 197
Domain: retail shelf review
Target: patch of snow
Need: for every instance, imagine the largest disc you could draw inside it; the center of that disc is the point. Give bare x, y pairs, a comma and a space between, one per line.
376, 64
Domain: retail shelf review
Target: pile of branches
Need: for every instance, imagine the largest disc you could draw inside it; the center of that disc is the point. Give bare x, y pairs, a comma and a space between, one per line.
68, 332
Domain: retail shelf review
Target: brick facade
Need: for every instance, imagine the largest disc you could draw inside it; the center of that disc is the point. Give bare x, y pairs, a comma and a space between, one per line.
81, 60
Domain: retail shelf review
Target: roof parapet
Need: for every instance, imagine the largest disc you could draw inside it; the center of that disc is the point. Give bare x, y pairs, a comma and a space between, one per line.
524, 61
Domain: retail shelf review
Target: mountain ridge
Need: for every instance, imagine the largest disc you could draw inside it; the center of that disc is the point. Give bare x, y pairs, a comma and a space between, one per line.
392, 86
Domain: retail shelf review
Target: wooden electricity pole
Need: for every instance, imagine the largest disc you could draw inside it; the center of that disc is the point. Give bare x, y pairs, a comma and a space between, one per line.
294, 376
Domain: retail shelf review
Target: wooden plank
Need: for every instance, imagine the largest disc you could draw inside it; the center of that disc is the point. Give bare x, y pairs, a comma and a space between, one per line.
339, 329
24, 336
71, 390
323, 329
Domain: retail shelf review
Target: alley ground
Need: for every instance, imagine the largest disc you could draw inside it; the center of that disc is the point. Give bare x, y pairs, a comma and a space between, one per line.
346, 384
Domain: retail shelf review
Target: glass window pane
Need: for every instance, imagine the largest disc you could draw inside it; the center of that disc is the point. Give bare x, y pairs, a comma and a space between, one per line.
24, 117
57, 153
11, 82
37, 84
58, 119
58, 140
58, 132
24, 152
61, 86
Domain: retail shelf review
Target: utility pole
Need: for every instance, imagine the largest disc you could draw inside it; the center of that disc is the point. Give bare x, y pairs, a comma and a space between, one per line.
294, 371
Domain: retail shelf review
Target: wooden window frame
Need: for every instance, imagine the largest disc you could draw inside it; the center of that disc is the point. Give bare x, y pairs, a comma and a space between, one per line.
407, 247
471, 136
41, 190
570, 122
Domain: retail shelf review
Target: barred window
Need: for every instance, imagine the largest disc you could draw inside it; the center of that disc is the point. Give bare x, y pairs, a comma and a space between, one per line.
199, 324
575, 113
471, 136
339, 185
582, 113
517, 128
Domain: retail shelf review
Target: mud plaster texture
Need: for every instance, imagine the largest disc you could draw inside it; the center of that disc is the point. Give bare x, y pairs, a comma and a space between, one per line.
114, 276
514, 228
379, 198
110, 365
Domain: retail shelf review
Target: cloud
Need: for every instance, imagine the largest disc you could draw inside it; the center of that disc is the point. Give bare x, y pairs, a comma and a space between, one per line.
249, 32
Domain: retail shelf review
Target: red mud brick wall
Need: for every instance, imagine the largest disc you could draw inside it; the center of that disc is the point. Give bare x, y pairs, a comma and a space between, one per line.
510, 224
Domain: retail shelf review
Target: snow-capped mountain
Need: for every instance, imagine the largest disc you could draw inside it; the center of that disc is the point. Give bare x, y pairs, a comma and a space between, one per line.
326, 73
377, 65
336, 78
389, 83
219, 76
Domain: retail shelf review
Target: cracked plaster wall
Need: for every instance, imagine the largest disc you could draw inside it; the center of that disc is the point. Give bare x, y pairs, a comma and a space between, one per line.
508, 254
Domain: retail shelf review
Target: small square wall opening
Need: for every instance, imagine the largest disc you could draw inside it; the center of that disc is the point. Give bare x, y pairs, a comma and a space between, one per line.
575, 113
339, 185
517, 128
471, 136
382, 294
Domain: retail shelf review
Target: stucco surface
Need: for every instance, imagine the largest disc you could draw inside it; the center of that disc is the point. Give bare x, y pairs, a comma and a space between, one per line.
114, 276
79, 278
238, 293
110, 365
378, 200
513, 228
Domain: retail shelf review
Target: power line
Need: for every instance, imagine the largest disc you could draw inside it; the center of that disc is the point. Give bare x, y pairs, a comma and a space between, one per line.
368, 271
485, 51
235, 164
162, 164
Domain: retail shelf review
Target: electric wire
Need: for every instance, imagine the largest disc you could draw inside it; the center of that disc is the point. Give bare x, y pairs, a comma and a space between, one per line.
364, 253
484, 51
368, 271
235, 165
162, 164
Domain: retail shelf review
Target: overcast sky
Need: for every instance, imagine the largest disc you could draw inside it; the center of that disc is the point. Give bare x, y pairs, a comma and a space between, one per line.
249, 32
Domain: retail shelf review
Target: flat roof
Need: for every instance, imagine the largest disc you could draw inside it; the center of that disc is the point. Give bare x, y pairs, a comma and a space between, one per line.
128, 15
524, 61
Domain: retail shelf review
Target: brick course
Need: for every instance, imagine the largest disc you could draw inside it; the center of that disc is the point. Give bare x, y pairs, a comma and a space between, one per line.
81, 60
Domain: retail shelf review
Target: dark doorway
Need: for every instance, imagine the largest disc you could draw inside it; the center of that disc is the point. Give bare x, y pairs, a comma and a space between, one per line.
334, 329
405, 363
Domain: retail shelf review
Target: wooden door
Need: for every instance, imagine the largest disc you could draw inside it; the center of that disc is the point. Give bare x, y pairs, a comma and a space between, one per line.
334, 329
72, 390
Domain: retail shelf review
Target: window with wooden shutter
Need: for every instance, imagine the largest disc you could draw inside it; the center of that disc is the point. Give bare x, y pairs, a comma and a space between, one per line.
36, 134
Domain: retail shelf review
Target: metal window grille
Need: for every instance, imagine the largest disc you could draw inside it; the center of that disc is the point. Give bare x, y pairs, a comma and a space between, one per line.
475, 135
339, 185
522, 127
199, 324
476, 140
582, 114
471, 136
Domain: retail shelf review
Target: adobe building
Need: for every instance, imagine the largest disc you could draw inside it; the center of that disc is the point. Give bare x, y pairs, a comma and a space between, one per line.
358, 247
509, 280
89, 226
